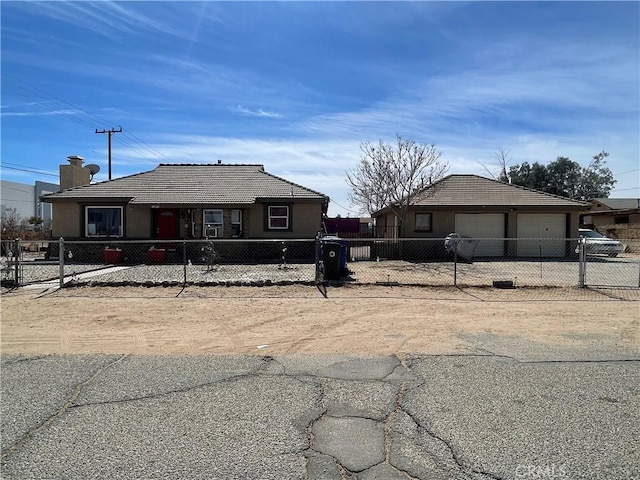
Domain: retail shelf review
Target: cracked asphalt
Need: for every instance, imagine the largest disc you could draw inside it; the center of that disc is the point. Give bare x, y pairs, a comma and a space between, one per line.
505, 415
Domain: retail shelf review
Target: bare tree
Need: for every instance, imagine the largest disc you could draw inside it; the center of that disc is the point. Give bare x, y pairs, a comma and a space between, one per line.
392, 175
11, 223
502, 157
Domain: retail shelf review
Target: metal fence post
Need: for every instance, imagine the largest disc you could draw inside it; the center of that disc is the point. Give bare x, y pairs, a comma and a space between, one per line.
61, 257
582, 262
16, 262
184, 262
317, 255
455, 268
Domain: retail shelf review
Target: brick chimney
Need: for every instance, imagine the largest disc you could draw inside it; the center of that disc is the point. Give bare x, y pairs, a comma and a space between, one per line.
73, 175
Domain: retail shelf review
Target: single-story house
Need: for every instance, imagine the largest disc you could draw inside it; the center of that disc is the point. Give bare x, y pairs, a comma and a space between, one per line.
184, 201
614, 217
486, 209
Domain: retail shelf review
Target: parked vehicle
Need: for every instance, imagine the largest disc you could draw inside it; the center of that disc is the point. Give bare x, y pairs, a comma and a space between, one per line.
598, 244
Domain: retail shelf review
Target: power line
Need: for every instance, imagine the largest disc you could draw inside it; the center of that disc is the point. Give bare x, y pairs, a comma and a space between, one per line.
625, 189
345, 208
150, 148
628, 171
27, 170
79, 115
130, 144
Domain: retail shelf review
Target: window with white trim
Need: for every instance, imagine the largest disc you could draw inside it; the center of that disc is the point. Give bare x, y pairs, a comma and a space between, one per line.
278, 217
236, 223
212, 223
103, 221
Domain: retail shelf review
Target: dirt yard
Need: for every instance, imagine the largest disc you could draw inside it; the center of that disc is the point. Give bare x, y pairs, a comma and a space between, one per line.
297, 319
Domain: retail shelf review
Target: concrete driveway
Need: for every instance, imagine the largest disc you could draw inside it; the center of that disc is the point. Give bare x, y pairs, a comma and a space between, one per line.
514, 410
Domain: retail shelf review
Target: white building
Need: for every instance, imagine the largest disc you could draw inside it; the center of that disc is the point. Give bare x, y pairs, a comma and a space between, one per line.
25, 199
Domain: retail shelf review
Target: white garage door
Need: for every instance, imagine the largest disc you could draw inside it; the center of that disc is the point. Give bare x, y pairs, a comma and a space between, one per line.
541, 227
483, 226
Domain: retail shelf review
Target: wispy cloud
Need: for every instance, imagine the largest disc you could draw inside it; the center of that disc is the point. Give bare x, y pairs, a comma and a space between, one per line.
107, 18
319, 164
298, 86
586, 89
39, 114
240, 110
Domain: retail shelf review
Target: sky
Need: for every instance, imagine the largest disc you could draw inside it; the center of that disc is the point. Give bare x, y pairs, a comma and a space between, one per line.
300, 86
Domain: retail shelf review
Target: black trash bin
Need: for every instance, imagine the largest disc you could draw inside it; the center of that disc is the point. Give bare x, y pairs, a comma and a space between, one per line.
344, 251
331, 260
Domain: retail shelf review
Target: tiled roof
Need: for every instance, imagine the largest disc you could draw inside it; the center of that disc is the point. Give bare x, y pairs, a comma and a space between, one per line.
615, 203
476, 190
471, 190
193, 184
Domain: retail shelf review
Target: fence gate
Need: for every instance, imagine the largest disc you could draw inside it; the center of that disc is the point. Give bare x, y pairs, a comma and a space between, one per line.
607, 271
12, 262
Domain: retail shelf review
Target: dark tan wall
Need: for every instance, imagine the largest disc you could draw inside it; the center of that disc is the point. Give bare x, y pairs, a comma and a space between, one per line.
73, 176
66, 220
306, 221
137, 222
443, 222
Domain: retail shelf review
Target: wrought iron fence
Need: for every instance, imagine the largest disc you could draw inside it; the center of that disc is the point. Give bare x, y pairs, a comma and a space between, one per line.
373, 261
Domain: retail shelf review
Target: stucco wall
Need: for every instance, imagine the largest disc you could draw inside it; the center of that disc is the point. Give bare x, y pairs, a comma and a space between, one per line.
69, 221
137, 222
443, 222
306, 221
66, 220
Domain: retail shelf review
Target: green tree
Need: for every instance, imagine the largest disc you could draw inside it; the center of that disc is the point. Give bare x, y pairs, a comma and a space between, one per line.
564, 177
532, 176
36, 222
567, 178
597, 180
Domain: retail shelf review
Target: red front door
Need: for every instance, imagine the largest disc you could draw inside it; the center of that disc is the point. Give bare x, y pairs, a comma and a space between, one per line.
166, 223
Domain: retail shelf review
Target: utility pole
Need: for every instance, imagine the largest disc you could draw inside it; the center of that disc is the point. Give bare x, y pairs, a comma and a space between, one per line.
110, 133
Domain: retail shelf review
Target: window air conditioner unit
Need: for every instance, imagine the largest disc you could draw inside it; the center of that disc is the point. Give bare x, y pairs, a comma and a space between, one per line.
211, 232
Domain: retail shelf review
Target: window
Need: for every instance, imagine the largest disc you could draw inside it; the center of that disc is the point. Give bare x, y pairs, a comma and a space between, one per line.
103, 222
621, 219
423, 222
278, 217
212, 223
236, 223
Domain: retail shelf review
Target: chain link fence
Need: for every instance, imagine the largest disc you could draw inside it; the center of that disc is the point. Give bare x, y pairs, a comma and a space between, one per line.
329, 261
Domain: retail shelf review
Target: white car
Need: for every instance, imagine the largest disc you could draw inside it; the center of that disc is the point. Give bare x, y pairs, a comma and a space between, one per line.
598, 244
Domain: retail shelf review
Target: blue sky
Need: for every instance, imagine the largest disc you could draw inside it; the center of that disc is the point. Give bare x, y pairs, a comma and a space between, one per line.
298, 86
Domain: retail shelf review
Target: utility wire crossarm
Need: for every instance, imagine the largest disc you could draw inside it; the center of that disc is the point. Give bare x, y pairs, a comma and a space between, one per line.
110, 133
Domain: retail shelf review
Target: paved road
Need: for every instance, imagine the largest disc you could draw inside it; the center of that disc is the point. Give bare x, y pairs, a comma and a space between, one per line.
527, 412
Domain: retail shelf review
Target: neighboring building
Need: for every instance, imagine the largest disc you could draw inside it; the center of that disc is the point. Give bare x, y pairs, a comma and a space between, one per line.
185, 201
25, 199
486, 209
613, 211
614, 217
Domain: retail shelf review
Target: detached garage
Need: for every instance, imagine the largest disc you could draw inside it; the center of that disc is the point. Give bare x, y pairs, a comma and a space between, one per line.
542, 234
507, 220
483, 226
